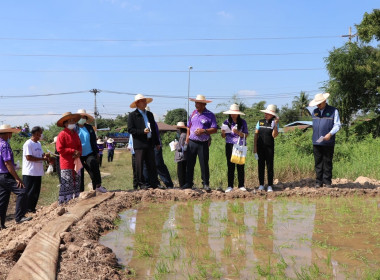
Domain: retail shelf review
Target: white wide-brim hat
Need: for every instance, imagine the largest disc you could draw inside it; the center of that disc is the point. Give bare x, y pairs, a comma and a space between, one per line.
201, 99
271, 109
83, 113
100, 142
234, 110
181, 125
66, 116
110, 140
5, 128
139, 97
319, 98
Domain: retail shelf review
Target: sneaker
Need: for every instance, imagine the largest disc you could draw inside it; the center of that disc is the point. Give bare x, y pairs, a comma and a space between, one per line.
243, 189
228, 189
269, 189
318, 186
101, 189
24, 219
261, 188
328, 186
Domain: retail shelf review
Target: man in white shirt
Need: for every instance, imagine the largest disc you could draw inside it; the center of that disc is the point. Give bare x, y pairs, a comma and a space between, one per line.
33, 159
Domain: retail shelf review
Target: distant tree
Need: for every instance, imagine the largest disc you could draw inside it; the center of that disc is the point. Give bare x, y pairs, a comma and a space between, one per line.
370, 26
300, 104
354, 80
176, 115
287, 115
121, 120
51, 131
354, 73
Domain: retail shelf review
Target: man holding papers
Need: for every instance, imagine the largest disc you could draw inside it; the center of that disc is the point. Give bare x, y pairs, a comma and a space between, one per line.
326, 124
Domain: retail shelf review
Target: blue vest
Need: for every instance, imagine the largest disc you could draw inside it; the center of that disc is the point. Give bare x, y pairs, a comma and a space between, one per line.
323, 125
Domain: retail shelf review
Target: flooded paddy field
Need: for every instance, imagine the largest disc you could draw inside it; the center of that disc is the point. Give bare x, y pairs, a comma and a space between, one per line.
245, 239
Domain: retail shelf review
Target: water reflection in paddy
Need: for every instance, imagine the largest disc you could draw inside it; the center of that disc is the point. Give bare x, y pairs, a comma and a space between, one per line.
337, 238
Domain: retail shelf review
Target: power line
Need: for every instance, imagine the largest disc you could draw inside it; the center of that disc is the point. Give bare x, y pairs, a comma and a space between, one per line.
161, 71
168, 40
161, 55
39, 95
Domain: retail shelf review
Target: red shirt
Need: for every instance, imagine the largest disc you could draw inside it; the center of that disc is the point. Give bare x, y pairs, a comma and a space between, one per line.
67, 142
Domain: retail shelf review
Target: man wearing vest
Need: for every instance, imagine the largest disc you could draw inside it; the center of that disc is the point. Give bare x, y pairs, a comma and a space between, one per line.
326, 124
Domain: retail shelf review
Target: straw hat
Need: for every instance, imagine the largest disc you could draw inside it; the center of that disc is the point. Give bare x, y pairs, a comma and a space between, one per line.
5, 128
319, 98
201, 99
271, 109
181, 125
139, 97
234, 110
100, 142
110, 140
66, 116
83, 113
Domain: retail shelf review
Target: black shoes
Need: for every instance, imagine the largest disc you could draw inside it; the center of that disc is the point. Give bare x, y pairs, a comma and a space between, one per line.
206, 188
2, 227
24, 219
186, 186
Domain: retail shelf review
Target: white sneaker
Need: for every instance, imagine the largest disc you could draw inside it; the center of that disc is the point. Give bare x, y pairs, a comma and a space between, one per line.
243, 189
228, 189
270, 189
101, 189
261, 188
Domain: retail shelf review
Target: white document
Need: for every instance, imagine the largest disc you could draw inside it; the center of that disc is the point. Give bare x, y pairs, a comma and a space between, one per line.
320, 139
226, 128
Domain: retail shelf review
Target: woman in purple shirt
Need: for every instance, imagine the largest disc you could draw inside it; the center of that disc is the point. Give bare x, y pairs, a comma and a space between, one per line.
234, 128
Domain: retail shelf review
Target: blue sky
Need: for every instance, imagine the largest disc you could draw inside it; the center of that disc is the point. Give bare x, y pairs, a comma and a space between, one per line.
260, 50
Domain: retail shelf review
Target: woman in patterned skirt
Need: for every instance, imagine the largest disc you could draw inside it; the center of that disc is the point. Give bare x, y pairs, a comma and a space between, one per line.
69, 148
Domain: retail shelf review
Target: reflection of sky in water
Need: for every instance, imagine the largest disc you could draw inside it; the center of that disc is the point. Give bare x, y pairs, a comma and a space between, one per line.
124, 235
272, 229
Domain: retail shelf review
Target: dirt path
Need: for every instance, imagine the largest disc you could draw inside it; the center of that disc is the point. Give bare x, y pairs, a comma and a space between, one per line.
81, 257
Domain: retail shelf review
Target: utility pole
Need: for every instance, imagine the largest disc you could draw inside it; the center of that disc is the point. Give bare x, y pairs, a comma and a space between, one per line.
350, 35
96, 113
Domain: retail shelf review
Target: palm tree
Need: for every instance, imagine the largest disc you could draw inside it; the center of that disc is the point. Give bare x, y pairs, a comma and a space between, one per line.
300, 104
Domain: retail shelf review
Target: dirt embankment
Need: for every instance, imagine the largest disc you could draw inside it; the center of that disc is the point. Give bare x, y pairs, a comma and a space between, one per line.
81, 257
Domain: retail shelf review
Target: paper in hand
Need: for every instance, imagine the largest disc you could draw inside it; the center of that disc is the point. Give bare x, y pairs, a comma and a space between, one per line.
226, 128
320, 139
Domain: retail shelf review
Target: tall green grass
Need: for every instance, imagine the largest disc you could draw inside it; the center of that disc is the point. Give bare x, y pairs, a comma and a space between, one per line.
293, 161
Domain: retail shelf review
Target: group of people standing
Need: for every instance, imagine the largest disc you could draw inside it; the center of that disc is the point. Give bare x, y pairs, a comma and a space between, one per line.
194, 140
79, 148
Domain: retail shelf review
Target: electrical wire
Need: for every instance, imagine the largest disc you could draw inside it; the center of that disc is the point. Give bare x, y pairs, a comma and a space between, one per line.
161, 71
161, 55
168, 40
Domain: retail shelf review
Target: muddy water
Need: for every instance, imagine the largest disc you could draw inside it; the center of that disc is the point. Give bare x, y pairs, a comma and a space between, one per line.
328, 238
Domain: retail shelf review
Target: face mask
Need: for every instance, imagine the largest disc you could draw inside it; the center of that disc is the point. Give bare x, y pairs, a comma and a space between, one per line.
71, 126
82, 121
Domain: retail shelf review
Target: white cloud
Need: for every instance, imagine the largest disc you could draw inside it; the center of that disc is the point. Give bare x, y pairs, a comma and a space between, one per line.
225, 15
247, 93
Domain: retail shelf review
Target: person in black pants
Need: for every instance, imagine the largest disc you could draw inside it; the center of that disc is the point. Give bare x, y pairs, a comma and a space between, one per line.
9, 180
326, 124
266, 131
100, 144
141, 125
90, 152
180, 154
201, 124
233, 129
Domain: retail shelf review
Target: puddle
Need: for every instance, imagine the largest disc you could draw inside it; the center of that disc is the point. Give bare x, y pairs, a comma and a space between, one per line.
327, 238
